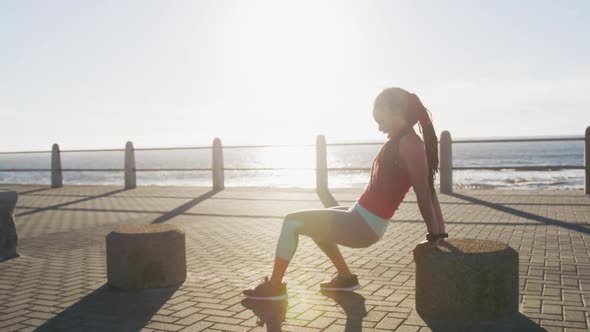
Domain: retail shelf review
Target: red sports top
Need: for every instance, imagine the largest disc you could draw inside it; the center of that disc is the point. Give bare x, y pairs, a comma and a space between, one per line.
384, 198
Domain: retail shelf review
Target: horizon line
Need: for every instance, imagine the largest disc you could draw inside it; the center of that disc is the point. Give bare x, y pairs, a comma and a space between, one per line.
262, 145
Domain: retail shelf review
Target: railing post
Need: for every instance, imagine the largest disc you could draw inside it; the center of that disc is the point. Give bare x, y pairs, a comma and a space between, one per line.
446, 163
130, 180
587, 161
321, 171
217, 165
56, 175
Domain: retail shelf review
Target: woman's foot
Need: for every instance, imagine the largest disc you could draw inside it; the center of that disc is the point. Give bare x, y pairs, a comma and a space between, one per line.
341, 283
267, 291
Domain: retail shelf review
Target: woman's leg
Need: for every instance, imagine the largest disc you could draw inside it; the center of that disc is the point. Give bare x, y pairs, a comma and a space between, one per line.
329, 248
278, 270
344, 208
327, 227
333, 252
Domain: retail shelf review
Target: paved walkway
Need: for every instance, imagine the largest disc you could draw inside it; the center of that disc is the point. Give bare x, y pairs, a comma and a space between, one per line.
58, 283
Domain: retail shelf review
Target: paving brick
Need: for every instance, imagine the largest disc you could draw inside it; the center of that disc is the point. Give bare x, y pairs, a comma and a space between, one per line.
12, 321
34, 322
563, 323
321, 322
407, 328
221, 313
389, 323
309, 315
575, 316
40, 315
14, 327
181, 306
165, 326
224, 320
164, 319
335, 328
18, 313
552, 309
227, 327
11, 309
186, 312
211, 306
376, 316
198, 326
191, 319
553, 328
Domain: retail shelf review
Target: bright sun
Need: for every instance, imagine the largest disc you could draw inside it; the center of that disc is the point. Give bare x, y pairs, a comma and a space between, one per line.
298, 64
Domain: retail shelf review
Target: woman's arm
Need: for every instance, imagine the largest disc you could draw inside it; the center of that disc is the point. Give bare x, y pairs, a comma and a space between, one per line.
413, 154
438, 213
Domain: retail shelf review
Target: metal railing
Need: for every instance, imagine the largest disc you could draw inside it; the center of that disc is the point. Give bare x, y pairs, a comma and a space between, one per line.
217, 168
446, 158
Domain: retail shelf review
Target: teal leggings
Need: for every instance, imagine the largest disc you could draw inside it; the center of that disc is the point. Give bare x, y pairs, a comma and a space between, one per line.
353, 227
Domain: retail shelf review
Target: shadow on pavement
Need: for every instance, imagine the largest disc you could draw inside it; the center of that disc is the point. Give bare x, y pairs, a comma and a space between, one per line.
57, 206
34, 190
518, 323
548, 221
184, 207
108, 309
271, 313
353, 305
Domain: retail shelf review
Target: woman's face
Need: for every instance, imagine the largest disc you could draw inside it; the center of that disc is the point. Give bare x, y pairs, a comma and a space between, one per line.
389, 121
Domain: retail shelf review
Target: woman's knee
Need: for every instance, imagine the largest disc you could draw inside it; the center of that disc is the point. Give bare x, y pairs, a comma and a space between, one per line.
301, 215
292, 224
316, 224
297, 220
326, 246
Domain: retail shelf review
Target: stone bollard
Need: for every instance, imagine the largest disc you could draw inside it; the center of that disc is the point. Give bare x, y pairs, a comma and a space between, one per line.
467, 280
146, 256
8, 237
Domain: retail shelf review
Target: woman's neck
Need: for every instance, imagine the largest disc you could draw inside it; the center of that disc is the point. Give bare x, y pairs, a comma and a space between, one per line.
399, 133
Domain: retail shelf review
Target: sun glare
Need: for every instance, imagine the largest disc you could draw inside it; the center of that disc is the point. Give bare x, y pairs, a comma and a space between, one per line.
298, 61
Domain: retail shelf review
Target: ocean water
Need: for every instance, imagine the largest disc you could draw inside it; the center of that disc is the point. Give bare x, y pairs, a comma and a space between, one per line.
301, 163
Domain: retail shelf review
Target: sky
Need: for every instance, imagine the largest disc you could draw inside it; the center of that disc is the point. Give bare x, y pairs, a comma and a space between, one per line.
96, 74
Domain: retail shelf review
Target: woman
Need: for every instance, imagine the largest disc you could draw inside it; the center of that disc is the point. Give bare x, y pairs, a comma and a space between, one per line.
404, 161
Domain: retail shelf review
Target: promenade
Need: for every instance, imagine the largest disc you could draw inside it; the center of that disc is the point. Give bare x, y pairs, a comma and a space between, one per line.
58, 282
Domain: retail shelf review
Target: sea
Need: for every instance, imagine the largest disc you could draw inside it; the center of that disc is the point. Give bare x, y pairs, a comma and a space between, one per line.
296, 166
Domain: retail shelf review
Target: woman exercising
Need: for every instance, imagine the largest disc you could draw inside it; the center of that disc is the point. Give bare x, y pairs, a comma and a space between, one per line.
404, 161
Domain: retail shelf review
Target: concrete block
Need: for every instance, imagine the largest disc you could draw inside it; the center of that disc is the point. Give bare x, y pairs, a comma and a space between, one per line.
467, 280
8, 236
146, 256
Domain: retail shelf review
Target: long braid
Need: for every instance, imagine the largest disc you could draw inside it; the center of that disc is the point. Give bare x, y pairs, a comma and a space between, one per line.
429, 138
